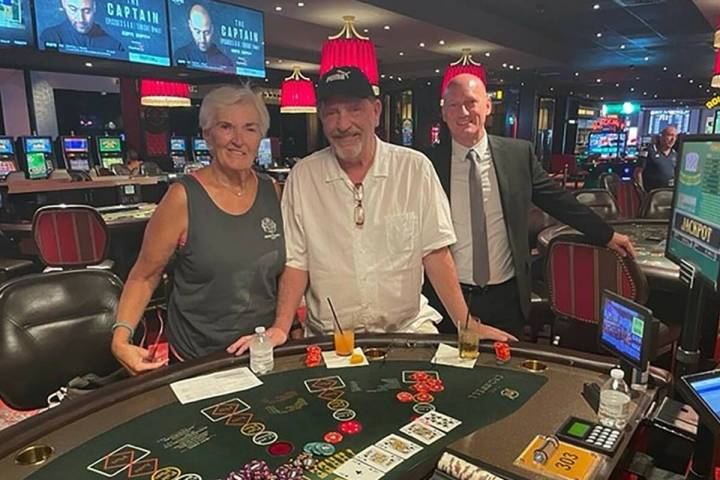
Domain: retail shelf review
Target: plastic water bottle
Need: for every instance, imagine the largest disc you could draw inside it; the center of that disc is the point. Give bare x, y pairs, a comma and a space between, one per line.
261, 353
614, 401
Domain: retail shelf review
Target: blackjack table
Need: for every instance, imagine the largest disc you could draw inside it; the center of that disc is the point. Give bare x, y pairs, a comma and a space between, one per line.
314, 422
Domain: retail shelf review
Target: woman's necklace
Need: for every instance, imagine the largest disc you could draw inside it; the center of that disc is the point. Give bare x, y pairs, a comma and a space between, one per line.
228, 187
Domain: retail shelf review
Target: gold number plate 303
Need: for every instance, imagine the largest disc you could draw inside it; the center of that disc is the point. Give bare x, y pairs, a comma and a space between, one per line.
566, 462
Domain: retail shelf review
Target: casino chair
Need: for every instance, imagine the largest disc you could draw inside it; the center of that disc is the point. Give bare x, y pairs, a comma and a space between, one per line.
658, 204
600, 201
150, 168
55, 327
71, 236
577, 272
628, 194
120, 169
12, 265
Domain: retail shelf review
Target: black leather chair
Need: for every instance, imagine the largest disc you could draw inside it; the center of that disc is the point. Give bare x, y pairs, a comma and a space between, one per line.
120, 169
600, 201
658, 204
53, 328
12, 264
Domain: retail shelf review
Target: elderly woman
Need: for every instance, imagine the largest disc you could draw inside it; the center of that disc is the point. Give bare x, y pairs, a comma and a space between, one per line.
223, 223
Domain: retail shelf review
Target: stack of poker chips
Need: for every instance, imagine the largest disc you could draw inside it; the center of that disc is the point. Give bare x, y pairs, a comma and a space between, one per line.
502, 352
260, 470
314, 356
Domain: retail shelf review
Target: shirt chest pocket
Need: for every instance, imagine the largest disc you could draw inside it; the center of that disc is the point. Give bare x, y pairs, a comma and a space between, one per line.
401, 234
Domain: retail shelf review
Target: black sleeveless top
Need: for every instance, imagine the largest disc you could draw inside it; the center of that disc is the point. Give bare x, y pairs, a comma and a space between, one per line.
226, 274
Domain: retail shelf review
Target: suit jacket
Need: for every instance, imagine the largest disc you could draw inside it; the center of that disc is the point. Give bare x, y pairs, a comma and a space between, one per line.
522, 180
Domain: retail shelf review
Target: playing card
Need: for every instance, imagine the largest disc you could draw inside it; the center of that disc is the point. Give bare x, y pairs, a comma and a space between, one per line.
439, 420
399, 446
422, 432
118, 460
222, 410
407, 375
315, 385
379, 458
354, 469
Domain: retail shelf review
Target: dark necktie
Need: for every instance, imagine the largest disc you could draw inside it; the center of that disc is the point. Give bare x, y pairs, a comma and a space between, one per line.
481, 263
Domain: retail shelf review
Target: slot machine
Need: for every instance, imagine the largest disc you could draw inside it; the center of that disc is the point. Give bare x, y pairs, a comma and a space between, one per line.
74, 153
178, 153
37, 157
8, 159
200, 151
110, 151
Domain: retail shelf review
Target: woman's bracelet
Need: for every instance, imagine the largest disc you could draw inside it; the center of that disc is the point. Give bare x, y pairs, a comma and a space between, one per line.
125, 325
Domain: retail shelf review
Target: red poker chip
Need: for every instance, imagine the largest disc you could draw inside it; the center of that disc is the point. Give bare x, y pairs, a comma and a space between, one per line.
419, 376
423, 397
420, 387
333, 437
351, 427
404, 397
280, 449
313, 348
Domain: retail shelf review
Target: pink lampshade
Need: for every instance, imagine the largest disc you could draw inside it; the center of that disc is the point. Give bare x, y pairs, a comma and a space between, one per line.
716, 42
297, 94
715, 83
163, 93
349, 48
464, 65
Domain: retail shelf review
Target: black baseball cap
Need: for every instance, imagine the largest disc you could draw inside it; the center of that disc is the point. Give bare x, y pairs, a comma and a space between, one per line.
344, 82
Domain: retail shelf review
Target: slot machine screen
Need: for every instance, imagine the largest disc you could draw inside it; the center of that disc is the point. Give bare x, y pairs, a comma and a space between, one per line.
264, 157
37, 167
177, 145
6, 146
75, 145
38, 145
200, 145
109, 145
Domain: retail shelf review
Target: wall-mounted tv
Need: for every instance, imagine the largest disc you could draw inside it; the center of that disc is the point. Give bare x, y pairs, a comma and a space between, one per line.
133, 30
16, 26
217, 37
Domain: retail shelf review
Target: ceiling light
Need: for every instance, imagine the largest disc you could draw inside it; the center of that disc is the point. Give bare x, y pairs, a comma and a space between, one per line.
664, 69
511, 67
387, 27
679, 75
300, 4
399, 79
674, 100
504, 65
517, 68
699, 85
487, 54
88, 64
637, 78
691, 81
632, 89
598, 34
267, 62
552, 89
437, 70
278, 8
421, 45
617, 84
587, 95
279, 60
429, 83
647, 58
598, 80
655, 96
577, 74
401, 53
622, 47
390, 77
365, 30
572, 93
602, 98
442, 42
596, 6
382, 76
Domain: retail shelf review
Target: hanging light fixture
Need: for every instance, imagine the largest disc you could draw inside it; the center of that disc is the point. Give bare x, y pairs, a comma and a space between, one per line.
464, 65
163, 93
297, 94
349, 48
715, 83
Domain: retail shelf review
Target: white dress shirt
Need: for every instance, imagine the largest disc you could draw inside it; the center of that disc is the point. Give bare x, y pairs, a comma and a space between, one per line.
373, 274
499, 253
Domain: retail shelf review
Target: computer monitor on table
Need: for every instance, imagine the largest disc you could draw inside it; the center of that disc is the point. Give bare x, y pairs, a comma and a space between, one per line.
702, 392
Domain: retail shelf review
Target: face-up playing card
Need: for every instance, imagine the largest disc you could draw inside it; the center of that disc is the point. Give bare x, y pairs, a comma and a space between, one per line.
354, 469
407, 375
439, 420
422, 432
379, 458
315, 385
397, 445
118, 460
222, 410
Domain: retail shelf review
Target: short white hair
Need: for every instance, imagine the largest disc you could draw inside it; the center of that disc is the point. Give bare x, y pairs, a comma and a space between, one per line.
228, 96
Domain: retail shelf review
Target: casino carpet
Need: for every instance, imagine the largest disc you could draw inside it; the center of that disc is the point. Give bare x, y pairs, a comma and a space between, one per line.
9, 417
216, 436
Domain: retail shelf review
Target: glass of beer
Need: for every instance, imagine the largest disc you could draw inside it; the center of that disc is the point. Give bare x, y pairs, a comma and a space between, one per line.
344, 341
468, 342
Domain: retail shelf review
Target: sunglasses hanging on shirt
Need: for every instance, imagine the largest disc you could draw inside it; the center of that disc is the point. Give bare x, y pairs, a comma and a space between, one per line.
359, 212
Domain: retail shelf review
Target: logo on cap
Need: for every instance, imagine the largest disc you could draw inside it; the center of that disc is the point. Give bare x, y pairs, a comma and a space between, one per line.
338, 75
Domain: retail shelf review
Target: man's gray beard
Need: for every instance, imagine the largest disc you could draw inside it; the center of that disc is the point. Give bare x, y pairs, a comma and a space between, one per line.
342, 153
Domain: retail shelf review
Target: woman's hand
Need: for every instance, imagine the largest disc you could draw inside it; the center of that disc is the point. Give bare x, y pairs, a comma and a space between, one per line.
491, 333
136, 360
276, 336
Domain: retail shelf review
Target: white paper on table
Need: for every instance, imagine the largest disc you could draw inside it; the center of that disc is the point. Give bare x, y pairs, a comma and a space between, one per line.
447, 355
333, 360
214, 384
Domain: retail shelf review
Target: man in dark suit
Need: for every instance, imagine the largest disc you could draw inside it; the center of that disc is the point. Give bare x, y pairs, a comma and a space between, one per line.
491, 182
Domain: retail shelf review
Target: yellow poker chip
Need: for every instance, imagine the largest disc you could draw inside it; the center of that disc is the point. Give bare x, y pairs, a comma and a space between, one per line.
166, 473
252, 429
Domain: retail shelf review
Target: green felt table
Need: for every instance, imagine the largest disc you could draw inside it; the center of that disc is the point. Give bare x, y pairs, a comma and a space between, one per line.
501, 408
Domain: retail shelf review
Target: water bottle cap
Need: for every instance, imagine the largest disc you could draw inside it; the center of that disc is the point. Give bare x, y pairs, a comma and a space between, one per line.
259, 329
617, 373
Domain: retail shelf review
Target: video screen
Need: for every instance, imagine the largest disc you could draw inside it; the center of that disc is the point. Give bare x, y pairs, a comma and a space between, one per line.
16, 26
217, 37
6, 146
109, 145
79, 164
7, 167
659, 119
606, 144
110, 161
37, 168
264, 156
38, 144
622, 329
695, 224
200, 145
72, 145
131, 30
177, 144
708, 390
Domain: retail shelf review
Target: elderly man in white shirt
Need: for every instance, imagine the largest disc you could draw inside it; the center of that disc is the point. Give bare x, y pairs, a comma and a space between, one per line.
363, 218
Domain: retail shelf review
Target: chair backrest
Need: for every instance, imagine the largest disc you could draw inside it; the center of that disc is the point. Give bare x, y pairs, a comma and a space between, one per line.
658, 204
70, 236
577, 272
120, 169
600, 201
628, 194
150, 168
54, 327
538, 221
